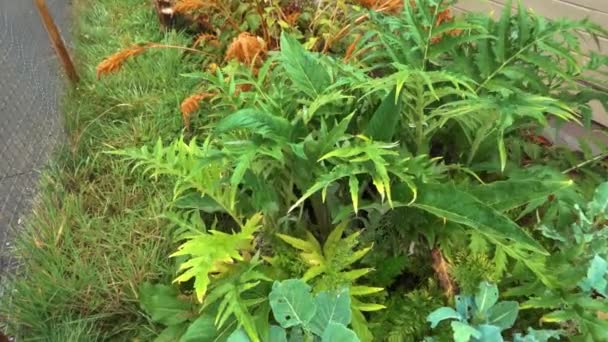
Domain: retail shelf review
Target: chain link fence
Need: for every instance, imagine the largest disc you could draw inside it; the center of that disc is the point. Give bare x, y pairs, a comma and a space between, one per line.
30, 125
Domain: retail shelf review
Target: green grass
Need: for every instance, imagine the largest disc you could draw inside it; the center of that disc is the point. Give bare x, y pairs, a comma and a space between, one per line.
96, 231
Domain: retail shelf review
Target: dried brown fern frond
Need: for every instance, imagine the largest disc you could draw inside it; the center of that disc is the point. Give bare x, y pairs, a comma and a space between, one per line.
189, 6
246, 48
445, 16
206, 38
291, 13
116, 61
387, 6
369, 4
242, 88
442, 270
351, 48
191, 105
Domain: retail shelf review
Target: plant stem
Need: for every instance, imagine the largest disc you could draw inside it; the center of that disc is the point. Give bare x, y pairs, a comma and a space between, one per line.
586, 162
429, 37
421, 143
165, 46
320, 212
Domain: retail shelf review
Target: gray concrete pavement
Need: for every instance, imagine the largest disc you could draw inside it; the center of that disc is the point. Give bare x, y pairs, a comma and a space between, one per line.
30, 127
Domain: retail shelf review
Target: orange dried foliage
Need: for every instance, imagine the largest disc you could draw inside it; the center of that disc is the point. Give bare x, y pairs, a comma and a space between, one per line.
191, 105
351, 48
387, 6
206, 38
189, 6
534, 138
242, 88
116, 61
291, 13
444, 17
292, 18
246, 48
442, 270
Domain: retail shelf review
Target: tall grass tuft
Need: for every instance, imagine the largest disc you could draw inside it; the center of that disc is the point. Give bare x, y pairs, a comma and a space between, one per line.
97, 231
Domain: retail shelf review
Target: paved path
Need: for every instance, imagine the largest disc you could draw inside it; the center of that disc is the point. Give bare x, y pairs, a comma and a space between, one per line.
29, 99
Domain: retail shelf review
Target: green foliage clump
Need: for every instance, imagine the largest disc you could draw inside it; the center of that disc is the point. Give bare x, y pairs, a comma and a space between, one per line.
404, 319
471, 269
327, 315
482, 318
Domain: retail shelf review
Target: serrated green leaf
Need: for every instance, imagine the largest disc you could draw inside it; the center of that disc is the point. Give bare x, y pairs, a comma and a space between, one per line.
510, 194
207, 251
503, 30
259, 122
446, 201
385, 120
596, 277
303, 67
300, 244
599, 204
320, 101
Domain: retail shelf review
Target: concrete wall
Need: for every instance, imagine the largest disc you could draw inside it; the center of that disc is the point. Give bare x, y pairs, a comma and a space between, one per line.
595, 10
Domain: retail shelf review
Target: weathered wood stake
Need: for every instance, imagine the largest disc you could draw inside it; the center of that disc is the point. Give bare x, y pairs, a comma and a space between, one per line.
57, 41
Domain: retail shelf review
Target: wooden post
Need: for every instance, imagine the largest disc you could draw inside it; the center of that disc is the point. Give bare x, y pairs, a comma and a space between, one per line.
57, 41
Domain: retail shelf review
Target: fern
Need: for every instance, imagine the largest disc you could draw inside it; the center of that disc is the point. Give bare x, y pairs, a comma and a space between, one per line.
404, 320
364, 157
184, 162
471, 269
303, 68
210, 253
522, 66
330, 268
234, 292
